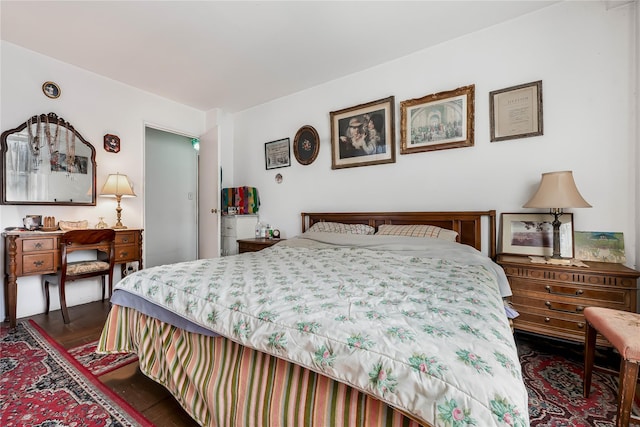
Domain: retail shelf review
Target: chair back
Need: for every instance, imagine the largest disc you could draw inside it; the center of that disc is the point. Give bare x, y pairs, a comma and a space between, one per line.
102, 240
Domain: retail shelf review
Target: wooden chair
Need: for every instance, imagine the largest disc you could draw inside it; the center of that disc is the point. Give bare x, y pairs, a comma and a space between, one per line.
622, 330
102, 241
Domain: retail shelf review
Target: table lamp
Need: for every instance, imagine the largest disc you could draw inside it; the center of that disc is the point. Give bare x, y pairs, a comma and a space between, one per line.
117, 186
556, 192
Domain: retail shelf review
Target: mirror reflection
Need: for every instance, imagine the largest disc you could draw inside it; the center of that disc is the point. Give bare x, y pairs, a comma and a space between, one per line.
46, 161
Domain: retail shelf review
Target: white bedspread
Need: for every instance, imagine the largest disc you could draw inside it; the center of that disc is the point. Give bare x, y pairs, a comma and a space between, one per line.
418, 323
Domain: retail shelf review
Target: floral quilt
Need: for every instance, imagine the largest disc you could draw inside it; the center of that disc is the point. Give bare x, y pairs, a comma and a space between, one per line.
387, 315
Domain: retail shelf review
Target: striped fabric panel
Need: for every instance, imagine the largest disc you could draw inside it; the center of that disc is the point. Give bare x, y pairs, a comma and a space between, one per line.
221, 383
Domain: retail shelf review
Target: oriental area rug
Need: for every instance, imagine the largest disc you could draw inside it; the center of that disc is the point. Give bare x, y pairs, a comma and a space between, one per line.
43, 385
553, 371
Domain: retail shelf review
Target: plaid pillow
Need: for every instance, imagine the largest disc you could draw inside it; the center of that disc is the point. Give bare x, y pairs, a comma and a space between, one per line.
337, 227
417, 230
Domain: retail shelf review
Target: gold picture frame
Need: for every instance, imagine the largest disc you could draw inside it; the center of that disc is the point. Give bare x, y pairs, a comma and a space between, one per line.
438, 121
516, 112
363, 135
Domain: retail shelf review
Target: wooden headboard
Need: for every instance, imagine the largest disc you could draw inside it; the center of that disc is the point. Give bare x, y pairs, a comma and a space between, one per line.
468, 224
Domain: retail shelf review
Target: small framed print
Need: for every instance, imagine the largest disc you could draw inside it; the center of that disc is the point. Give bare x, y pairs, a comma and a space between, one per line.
306, 145
111, 143
277, 154
51, 89
516, 112
532, 234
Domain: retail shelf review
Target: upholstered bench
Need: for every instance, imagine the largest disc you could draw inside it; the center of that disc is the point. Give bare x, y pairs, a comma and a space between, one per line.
622, 330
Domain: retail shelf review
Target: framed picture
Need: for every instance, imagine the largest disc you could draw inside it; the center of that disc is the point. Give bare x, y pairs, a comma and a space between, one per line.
532, 234
363, 135
516, 112
306, 145
111, 143
51, 90
438, 121
600, 246
277, 154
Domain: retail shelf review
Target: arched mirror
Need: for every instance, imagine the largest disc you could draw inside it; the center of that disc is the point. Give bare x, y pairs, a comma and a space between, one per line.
47, 162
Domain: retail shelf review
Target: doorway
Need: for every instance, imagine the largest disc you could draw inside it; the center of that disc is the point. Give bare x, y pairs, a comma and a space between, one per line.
171, 198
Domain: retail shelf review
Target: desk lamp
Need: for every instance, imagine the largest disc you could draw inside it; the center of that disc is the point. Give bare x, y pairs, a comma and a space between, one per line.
117, 186
556, 192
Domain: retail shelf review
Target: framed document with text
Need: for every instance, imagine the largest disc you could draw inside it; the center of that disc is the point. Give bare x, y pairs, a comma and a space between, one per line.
516, 112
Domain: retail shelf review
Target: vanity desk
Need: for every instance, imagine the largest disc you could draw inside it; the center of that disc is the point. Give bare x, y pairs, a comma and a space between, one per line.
29, 253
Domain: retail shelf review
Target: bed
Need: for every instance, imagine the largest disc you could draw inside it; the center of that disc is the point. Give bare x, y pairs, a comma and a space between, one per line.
392, 318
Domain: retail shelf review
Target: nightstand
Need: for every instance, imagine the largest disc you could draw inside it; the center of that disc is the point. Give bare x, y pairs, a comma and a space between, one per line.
551, 298
254, 245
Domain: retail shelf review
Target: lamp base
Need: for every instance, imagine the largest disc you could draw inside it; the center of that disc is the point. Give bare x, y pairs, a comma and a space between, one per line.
119, 227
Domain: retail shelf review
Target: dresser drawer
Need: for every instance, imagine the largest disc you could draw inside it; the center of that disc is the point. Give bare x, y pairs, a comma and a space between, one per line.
36, 245
566, 291
39, 263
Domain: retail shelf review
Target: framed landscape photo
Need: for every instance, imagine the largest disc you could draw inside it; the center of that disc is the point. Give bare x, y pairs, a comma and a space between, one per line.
437, 122
363, 135
277, 154
306, 145
516, 111
532, 234
602, 246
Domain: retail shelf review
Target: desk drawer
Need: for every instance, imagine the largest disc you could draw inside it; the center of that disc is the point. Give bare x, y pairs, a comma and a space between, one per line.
39, 263
36, 245
126, 253
126, 238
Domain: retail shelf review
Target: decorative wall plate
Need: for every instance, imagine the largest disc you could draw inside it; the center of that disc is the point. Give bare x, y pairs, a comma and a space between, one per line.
306, 145
111, 143
51, 89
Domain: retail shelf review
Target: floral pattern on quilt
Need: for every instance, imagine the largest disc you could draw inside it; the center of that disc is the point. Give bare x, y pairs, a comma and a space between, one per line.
425, 335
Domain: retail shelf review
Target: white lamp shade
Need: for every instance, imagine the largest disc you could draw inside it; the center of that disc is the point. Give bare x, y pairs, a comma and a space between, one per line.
117, 185
557, 190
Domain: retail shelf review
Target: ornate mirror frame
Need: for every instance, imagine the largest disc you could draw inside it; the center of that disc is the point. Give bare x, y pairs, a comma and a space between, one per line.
47, 162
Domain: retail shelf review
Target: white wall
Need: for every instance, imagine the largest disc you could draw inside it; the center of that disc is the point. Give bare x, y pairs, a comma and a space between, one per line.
583, 53
95, 106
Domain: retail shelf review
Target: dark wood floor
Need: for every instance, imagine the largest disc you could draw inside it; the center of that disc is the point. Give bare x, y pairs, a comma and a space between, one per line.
148, 397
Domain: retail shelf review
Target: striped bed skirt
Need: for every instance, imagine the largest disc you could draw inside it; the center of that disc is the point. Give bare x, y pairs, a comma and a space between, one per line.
222, 383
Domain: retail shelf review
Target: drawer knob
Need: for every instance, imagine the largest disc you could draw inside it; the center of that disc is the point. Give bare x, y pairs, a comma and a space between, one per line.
546, 319
124, 254
38, 245
580, 325
38, 263
125, 240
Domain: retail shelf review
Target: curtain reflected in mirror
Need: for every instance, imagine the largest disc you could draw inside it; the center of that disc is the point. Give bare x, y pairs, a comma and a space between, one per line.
46, 161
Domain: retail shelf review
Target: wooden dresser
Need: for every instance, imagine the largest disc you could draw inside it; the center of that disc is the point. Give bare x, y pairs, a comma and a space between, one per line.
551, 298
254, 245
29, 253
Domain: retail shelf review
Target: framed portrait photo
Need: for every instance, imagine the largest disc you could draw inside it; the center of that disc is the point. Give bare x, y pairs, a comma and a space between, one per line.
277, 154
306, 145
516, 112
532, 234
51, 90
363, 135
437, 122
111, 143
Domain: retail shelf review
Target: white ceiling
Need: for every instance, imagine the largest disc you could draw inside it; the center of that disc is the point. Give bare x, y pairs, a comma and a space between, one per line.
237, 54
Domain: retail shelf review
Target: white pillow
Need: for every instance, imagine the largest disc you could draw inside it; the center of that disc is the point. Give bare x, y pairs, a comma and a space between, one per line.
417, 230
337, 227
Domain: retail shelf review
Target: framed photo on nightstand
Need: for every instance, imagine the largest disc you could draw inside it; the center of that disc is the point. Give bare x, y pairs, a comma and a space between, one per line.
532, 234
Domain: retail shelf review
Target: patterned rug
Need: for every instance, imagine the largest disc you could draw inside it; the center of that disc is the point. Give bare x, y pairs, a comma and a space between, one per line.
42, 385
100, 364
552, 373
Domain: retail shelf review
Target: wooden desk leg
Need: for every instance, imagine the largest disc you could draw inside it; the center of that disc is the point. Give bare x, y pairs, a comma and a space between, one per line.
10, 284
